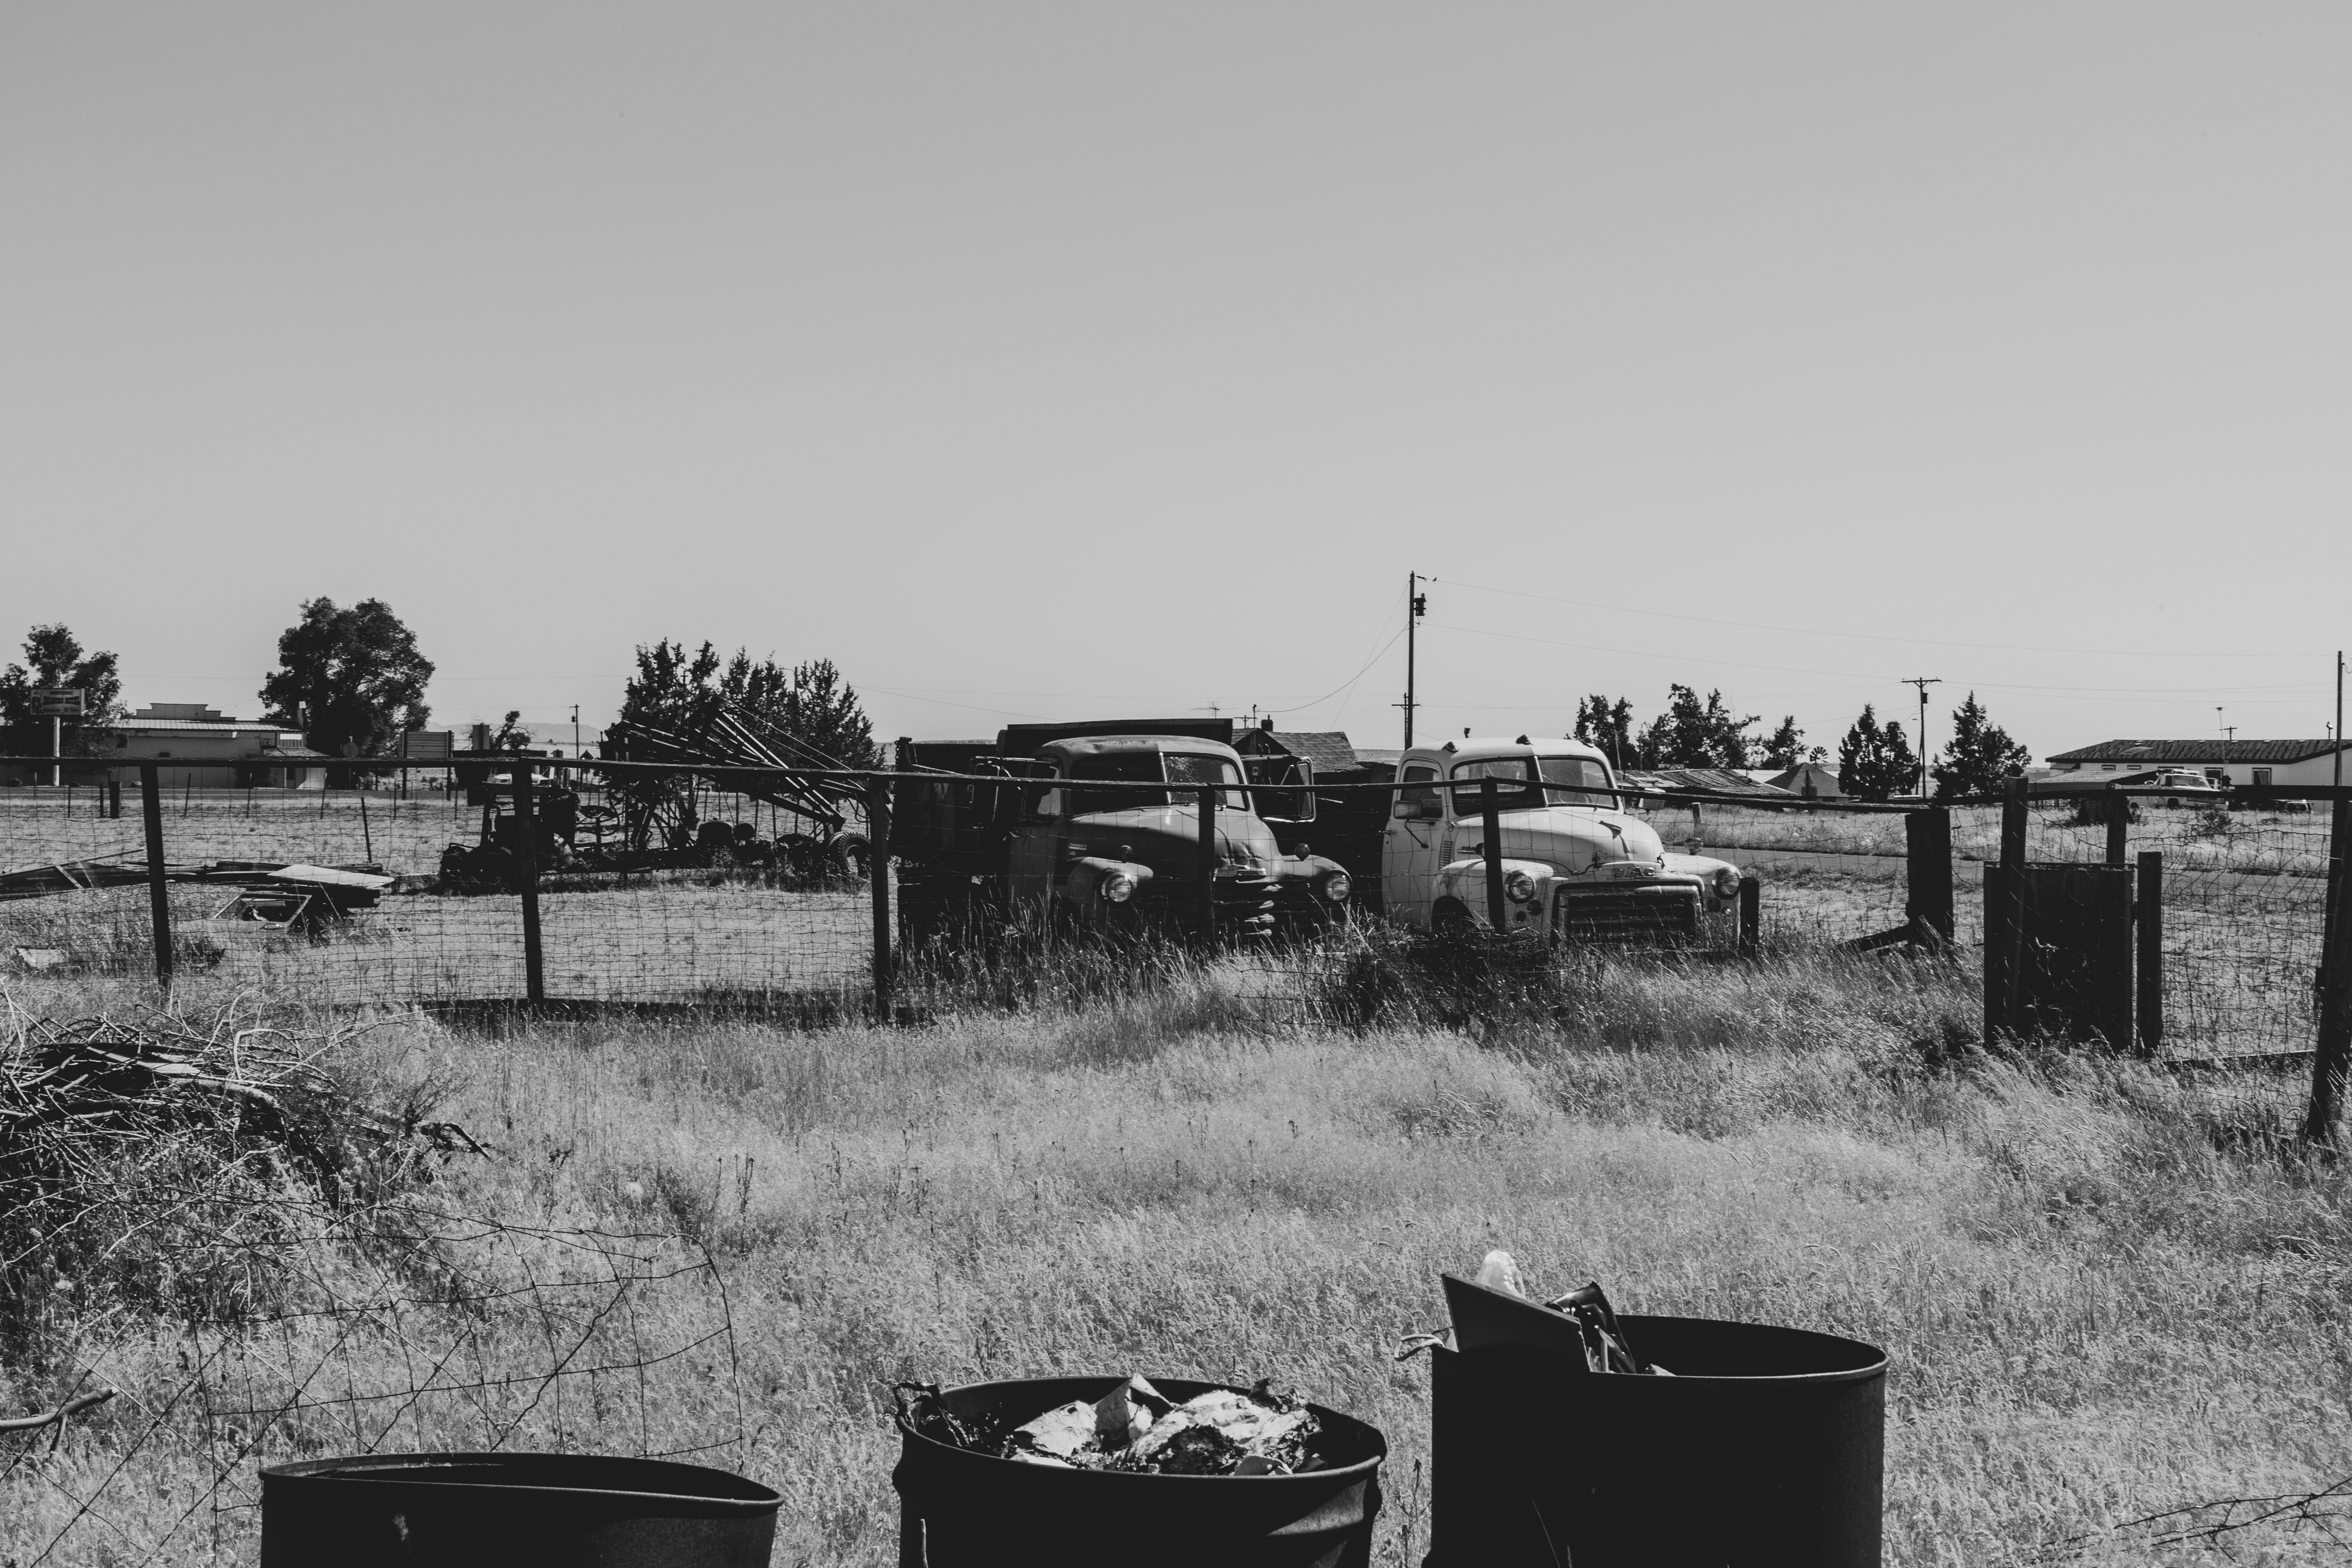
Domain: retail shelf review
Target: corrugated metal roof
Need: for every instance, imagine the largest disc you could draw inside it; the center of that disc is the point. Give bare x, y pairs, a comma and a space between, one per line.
189, 727
1721, 780
2216, 752
1328, 749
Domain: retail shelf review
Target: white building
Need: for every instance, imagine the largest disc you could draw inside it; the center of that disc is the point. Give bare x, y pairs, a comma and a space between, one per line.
204, 749
2229, 762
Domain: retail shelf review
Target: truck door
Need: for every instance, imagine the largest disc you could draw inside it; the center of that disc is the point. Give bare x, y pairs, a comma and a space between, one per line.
1409, 862
1030, 854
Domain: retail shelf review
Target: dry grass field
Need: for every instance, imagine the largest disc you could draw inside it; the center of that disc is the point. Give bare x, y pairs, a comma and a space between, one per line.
2105, 1291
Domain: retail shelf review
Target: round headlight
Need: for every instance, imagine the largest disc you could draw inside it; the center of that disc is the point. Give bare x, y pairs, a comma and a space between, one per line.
1726, 881
1116, 888
1519, 886
1335, 886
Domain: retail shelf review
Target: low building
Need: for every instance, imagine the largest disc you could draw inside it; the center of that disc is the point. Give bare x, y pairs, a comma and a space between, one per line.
2257, 763
1813, 781
202, 748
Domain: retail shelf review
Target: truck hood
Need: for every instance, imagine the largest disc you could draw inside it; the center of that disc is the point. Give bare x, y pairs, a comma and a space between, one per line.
1572, 839
1167, 838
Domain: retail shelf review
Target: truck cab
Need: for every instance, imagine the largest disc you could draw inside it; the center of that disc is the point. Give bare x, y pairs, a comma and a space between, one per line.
1110, 857
1576, 866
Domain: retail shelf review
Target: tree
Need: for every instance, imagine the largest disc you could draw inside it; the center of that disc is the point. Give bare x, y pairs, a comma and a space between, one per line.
1606, 726
349, 677
1785, 747
1694, 734
1875, 760
809, 709
512, 735
1980, 756
54, 656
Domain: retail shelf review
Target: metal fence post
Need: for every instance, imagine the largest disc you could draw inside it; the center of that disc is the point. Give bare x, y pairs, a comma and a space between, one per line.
878, 861
159, 898
2150, 914
1490, 824
1208, 865
535, 971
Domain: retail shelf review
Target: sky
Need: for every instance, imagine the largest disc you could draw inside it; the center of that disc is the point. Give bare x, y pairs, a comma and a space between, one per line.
1076, 361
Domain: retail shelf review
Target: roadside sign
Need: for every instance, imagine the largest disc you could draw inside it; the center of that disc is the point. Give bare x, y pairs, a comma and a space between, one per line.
58, 702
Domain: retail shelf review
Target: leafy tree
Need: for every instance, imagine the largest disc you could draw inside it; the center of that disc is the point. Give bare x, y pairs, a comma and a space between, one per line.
1694, 734
1606, 726
512, 736
355, 672
1980, 756
54, 656
1785, 748
1874, 760
809, 709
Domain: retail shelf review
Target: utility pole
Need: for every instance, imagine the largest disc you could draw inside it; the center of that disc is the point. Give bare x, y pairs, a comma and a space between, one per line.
1923, 682
1416, 605
575, 729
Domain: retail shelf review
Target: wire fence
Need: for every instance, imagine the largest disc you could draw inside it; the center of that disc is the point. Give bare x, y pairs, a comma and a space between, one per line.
724, 895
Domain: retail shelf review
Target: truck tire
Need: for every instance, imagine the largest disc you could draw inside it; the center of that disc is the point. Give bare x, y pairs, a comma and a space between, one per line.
1451, 917
850, 858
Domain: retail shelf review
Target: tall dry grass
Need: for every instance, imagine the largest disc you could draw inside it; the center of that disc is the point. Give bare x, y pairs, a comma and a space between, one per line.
2104, 1291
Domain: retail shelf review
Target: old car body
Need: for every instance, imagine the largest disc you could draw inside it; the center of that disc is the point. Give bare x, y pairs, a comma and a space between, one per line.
1575, 863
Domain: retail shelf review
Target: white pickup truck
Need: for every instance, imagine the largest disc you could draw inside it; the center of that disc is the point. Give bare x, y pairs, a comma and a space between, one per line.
1575, 865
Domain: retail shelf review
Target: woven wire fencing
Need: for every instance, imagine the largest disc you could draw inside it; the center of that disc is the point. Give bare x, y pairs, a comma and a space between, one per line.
748, 917
2244, 894
735, 898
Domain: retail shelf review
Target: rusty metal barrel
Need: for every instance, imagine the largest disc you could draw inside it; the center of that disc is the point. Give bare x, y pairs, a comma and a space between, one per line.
958, 1509
546, 1510
1765, 1448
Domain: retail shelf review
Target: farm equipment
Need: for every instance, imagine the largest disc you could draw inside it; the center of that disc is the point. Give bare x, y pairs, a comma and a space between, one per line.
1049, 840
656, 823
273, 892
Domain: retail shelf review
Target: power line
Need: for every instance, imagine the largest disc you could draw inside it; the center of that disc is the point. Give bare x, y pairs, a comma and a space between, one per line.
1871, 637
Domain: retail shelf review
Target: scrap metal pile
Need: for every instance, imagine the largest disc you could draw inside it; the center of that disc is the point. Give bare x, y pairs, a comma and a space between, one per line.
1495, 1309
1267, 1431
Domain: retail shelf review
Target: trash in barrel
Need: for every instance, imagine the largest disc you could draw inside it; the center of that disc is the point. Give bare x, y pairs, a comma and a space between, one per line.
512, 1510
1133, 1471
1563, 1433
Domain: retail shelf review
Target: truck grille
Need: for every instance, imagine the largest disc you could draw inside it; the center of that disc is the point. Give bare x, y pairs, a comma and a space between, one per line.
1627, 915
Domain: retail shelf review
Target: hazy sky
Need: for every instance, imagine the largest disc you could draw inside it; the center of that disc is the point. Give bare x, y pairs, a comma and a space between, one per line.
1070, 360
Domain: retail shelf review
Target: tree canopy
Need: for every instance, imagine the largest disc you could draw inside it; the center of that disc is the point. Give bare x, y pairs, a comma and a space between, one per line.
55, 656
810, 706
1874, 760
355, 673
1605, 726
1694, 734
1980, 756
1785, 747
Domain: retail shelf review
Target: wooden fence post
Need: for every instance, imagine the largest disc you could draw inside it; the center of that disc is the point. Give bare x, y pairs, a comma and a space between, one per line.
535, 971
2004, 954
2150, 914
1208, 866
1928, 868
2332, 1061
1751, 915
1490, 825
2339, 824
877, 860
2118, 822
159, 897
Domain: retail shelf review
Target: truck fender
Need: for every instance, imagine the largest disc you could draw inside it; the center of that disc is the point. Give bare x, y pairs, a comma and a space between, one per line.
1467, 879
1087, 875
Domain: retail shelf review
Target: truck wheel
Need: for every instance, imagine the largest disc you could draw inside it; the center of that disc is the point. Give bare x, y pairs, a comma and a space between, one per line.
1450, 918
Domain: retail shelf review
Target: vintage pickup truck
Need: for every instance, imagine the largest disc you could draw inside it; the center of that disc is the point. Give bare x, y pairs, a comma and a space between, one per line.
1575, 864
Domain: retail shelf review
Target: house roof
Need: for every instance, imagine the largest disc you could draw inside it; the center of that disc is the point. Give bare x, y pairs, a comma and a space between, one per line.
1721, 781
1822, 776
2154, 753
1329, 750
190, 727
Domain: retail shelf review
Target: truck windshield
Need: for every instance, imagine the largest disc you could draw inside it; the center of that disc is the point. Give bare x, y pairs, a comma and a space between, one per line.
1149, 768
1522, 783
